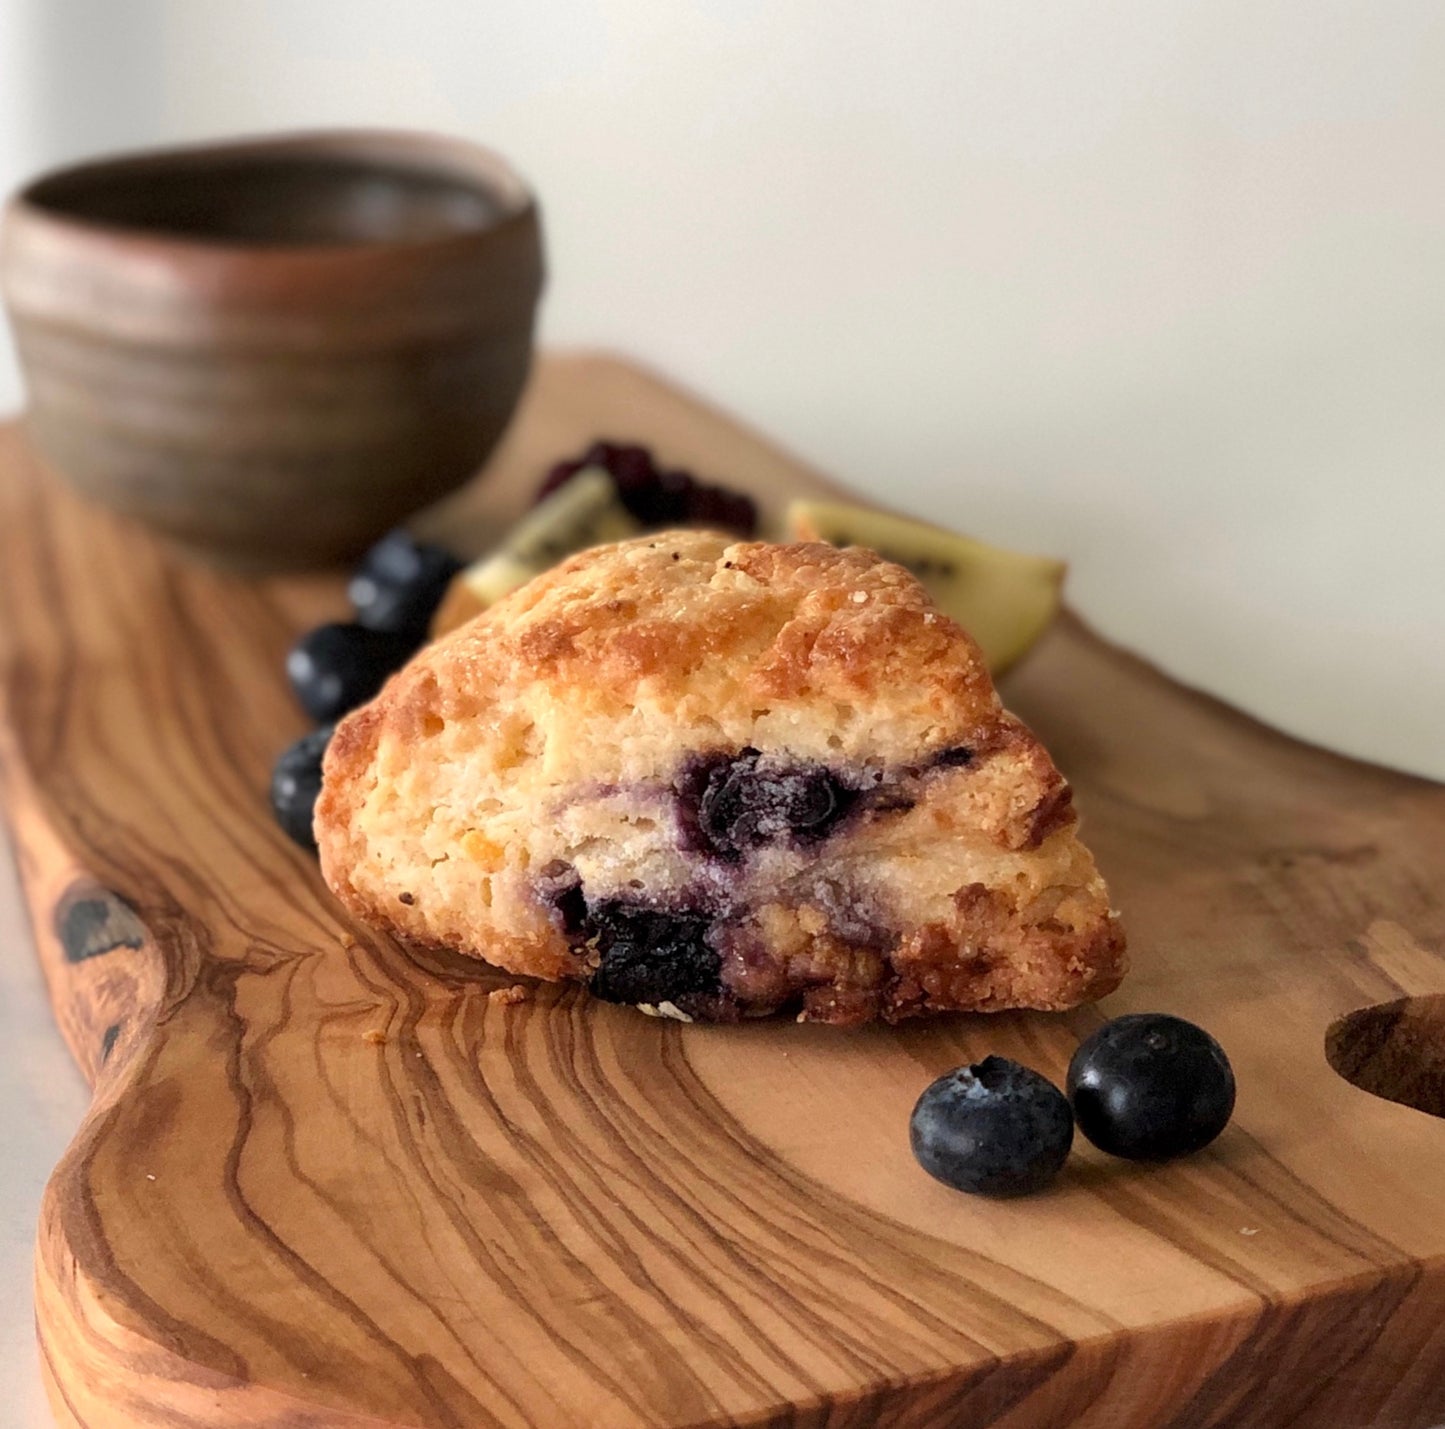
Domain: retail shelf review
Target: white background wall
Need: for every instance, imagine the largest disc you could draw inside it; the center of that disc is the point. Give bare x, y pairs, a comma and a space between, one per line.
1159, 285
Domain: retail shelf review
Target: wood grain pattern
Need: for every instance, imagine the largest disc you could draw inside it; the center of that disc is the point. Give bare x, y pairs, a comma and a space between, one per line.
324, 1183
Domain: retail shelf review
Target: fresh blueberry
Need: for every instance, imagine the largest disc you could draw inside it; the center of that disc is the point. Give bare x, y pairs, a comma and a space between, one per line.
993, 1129
336, 667
399, 584
747, 800
650, 956
1151, 1087
296, 783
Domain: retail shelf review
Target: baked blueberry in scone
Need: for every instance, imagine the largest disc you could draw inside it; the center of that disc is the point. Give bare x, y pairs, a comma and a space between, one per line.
717, 780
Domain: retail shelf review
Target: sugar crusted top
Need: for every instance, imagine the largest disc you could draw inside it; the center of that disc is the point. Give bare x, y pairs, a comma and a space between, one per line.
831, 652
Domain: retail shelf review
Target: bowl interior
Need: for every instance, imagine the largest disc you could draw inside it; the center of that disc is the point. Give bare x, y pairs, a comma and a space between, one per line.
282, 198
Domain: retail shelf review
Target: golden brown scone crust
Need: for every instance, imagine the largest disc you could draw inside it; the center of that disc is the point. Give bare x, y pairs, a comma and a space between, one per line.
548, 741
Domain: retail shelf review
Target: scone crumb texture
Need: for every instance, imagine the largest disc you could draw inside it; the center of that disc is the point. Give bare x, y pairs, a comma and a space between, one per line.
719, 780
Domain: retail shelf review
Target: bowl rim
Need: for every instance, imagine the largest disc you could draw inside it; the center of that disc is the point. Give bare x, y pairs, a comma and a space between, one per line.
416, 149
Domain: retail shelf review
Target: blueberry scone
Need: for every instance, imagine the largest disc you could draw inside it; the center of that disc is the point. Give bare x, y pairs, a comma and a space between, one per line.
718, 780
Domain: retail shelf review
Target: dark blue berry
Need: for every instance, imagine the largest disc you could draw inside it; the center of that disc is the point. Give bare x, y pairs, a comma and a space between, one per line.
750, 799
399, 584
336, 667
993, 1129
1151, 1087
296, 784
651, 956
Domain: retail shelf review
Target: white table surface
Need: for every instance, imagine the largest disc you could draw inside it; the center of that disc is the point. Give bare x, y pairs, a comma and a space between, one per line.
45, 1098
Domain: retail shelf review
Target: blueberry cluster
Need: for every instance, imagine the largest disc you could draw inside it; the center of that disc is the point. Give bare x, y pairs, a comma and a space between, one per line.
1148, 1087
658, 498
394, 593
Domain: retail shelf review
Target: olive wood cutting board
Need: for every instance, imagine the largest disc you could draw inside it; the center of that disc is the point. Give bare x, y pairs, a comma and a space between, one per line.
327, 1183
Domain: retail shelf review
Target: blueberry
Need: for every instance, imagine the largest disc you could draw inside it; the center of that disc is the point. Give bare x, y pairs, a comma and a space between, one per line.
336, 667
651, 956
296, 783
399, 584
748, 800
993, 1129
1151, 1087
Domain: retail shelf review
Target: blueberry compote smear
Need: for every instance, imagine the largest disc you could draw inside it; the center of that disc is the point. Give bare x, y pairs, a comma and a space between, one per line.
651, 957
744, 800
655, 497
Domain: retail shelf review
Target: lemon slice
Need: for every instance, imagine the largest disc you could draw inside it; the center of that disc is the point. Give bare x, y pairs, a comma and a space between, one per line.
1004, 599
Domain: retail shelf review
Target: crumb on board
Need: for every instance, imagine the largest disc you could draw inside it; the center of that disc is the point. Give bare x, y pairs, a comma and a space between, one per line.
505, 996
375, 1036
348, 942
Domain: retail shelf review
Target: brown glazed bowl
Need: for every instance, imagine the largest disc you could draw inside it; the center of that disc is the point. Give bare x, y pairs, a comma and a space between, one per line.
274, 350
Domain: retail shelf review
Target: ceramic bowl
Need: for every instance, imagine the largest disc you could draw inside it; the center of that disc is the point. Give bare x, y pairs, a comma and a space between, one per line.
274, 350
